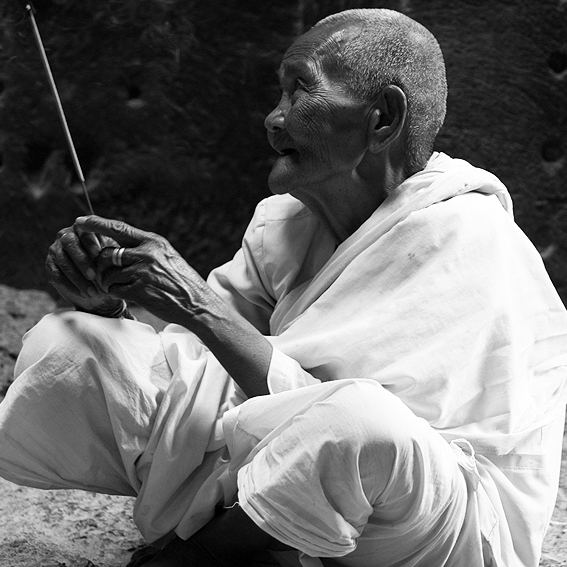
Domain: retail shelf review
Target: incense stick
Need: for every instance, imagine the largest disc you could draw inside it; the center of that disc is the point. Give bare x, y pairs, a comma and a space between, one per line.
74, 156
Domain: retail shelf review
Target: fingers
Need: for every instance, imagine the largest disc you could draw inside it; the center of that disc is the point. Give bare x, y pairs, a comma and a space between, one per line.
116, 266
121, 232
116, 257
68, 281
69, 263
90, 242
73, 269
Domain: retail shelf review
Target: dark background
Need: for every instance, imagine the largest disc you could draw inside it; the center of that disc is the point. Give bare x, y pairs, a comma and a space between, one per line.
166, 100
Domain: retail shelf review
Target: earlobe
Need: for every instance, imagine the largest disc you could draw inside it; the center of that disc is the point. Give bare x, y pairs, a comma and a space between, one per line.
387, 119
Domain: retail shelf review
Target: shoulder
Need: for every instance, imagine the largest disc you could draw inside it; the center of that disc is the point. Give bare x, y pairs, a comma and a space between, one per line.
278, 216
285, 226
281, 208
474, 216
289, 243
472, 234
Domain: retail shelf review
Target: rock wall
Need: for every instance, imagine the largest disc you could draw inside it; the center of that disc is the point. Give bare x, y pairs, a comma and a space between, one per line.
20, 310
166, 100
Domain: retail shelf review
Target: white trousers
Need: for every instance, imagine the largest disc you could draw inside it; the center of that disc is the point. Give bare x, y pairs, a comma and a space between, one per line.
340, 470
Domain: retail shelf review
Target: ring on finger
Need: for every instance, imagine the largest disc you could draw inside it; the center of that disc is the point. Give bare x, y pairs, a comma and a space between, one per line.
116, 257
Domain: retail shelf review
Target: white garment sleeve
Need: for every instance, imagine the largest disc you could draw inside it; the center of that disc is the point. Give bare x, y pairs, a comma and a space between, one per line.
283, 246
285, 373
242, 282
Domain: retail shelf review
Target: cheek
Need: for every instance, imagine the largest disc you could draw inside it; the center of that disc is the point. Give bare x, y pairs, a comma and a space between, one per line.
308, 120
351, 139
347, 133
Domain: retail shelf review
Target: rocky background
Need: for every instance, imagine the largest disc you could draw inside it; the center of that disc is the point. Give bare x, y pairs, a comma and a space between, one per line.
165, 100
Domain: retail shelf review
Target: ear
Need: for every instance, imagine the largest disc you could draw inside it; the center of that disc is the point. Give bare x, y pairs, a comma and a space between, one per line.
388, 118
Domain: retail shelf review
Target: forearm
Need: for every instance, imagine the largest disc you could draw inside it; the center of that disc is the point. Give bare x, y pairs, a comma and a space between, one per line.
152, 274
241, 349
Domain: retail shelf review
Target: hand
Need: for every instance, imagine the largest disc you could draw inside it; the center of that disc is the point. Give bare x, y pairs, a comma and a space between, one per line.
148, 271
71, 271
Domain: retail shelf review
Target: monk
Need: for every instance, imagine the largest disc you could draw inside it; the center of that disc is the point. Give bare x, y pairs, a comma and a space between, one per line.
378, 377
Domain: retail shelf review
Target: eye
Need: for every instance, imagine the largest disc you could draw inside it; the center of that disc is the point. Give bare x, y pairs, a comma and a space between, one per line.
299, 87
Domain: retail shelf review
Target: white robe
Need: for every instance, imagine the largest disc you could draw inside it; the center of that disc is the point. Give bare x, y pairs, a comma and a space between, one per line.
443, 300
439, 297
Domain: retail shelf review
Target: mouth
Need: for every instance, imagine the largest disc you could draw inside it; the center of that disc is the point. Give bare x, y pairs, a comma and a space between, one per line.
286, 151
282, 143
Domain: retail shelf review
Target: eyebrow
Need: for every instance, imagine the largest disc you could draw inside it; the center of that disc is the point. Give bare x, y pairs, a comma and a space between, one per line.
298, 67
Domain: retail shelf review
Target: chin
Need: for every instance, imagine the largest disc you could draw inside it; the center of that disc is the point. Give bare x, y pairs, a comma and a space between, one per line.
276, 190
277, 184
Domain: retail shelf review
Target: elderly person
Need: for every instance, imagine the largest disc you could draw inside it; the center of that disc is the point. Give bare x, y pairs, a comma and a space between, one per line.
378, 377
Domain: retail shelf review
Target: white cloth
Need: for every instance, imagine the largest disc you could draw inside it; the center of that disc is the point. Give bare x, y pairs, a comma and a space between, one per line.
438, 297
345, 470
110, 406
443, 300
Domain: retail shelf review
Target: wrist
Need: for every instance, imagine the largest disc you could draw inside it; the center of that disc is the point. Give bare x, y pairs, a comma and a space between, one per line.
118, 310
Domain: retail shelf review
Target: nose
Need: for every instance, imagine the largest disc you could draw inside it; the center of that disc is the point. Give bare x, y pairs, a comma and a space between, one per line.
275, 120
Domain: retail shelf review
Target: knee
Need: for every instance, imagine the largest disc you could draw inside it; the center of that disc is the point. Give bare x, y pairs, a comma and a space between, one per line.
365, 415
337, 457
391, 448
54, 333
358, 453
371, 432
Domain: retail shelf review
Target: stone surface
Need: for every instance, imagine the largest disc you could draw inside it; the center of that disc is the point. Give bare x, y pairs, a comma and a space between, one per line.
555, 545
166, 101
64, 528
19, 311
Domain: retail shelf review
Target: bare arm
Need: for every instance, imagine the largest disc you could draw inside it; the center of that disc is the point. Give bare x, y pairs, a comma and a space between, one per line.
155, 277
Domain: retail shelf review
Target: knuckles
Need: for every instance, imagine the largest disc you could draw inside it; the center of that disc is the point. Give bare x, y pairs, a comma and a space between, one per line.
52, 271
68, 238
151, 238
62, 232
49, 264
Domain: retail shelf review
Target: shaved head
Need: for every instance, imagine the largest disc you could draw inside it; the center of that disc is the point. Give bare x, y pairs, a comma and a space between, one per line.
369, 49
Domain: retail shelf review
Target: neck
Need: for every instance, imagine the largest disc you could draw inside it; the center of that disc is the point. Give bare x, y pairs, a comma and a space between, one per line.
343, 205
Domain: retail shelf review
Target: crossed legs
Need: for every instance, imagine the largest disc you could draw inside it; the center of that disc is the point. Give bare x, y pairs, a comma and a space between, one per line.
354, 476
231, 539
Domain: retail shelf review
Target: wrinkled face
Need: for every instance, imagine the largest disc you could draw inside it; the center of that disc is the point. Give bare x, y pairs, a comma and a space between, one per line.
318, 128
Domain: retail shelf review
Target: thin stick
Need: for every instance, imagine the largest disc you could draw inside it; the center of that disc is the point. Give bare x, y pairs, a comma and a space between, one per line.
59, 108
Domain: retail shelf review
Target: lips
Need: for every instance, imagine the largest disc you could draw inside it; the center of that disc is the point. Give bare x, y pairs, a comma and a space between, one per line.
282, 143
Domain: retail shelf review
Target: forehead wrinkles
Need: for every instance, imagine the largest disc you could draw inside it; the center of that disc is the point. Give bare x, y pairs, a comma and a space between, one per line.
319, 49
299, 59
316, 44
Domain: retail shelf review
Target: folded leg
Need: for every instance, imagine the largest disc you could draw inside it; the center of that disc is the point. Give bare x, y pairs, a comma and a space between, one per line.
357, 478
80, 411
